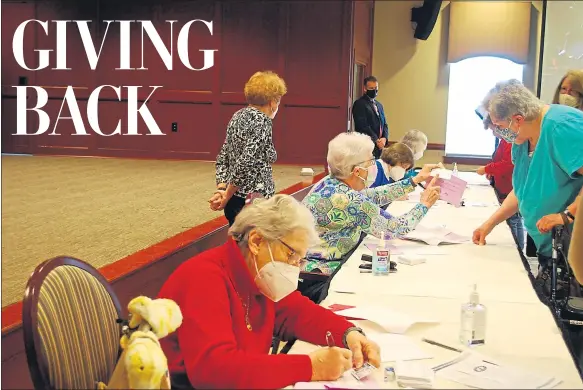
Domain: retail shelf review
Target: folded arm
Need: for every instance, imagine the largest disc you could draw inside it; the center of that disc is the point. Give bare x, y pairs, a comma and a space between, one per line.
212, 358
298, 317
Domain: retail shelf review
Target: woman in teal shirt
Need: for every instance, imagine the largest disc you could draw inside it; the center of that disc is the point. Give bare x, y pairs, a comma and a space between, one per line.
548, 162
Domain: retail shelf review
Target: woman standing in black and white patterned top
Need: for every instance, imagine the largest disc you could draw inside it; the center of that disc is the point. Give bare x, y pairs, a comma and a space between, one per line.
244, 162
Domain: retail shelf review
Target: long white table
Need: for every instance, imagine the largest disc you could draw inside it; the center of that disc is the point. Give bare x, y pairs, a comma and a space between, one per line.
521, 330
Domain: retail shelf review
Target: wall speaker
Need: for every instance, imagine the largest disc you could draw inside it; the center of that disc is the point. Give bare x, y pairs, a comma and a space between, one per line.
424, 18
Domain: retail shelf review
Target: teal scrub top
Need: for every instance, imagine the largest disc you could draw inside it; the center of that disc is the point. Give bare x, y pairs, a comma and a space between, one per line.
547, 182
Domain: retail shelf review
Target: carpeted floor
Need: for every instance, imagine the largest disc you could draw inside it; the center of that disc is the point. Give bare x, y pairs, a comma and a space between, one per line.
99, 210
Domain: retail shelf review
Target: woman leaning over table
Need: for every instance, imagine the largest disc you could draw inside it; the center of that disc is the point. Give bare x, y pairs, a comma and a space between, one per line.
344, 206
235, 297
243, 165
547, 153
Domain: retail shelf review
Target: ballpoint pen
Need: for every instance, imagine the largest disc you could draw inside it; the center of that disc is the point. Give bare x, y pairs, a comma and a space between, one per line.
441, 345
330, 340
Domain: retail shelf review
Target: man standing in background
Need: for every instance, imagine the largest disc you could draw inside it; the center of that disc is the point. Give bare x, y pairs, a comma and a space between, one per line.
369, 116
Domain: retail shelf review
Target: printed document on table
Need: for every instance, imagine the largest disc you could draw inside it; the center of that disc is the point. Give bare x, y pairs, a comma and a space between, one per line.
473, 370
436, 235
390, 320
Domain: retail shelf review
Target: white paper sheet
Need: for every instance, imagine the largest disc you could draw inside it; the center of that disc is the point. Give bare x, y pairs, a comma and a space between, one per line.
399, 249
471, 369
390, 320
396, 347
436, 235
347, 381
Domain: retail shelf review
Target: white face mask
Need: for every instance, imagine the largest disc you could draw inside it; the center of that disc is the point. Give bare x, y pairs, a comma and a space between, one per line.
397, 173
276, 280
372, 175
417, 156
568, 100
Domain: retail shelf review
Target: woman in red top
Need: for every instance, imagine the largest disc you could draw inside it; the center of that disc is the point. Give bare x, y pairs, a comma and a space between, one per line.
235, 297
500, 169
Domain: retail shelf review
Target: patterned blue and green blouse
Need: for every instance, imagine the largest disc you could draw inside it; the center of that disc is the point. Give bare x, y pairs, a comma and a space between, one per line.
342, 214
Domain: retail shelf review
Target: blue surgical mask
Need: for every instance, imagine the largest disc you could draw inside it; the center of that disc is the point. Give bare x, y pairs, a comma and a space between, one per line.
506, 134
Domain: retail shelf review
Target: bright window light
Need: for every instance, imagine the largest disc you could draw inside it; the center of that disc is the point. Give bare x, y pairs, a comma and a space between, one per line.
469, 82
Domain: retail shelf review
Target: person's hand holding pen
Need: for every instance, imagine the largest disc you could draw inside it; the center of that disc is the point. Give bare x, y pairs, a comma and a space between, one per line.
329, 364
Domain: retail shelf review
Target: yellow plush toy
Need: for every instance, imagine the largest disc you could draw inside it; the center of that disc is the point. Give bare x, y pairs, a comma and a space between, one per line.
142, 364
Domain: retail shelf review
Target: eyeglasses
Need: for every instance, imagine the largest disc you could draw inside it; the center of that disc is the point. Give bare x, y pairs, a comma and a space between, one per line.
368, 163
293, 257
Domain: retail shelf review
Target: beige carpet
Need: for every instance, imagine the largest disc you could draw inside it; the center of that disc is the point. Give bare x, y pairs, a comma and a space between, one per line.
99, 210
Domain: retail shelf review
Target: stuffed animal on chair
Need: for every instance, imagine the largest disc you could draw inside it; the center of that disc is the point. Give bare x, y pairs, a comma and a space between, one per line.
143, 364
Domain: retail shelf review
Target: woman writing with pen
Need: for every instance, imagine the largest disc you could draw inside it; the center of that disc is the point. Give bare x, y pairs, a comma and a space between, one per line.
235, 297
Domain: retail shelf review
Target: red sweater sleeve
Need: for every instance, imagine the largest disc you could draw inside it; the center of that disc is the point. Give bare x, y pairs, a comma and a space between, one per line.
209, 348
502, 164
297, 316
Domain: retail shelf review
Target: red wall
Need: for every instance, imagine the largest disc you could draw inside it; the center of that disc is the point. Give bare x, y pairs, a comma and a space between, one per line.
309, 43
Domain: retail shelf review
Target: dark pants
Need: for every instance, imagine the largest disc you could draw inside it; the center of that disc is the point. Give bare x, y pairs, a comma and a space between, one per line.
233, 208
377, 152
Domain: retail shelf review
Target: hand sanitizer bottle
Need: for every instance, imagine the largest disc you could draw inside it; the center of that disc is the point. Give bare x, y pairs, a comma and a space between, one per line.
455, 172
473, 321
381, 258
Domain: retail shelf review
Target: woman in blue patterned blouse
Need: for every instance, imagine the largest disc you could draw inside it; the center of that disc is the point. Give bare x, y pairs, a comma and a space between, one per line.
344, 206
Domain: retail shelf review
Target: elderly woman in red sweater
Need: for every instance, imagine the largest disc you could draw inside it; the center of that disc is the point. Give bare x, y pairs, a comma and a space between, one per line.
235, 297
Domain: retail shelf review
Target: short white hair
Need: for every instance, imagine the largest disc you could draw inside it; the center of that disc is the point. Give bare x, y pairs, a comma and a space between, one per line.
416, 140
511, 97
273, 219
346, 151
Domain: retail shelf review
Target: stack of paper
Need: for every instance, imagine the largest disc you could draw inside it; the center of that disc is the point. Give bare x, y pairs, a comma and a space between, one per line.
414, 374
471, 369
391, 321
396, 347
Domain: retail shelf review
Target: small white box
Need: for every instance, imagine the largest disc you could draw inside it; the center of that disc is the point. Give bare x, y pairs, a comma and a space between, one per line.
411, 259
307, 172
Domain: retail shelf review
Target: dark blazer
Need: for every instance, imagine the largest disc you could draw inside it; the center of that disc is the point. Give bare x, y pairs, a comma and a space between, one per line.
366, 121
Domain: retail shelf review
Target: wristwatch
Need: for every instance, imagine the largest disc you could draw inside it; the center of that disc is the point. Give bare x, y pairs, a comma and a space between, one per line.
352, 328
569, 215
222, 188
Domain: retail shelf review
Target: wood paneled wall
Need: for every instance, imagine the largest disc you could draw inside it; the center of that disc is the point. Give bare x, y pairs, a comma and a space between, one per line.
309, 43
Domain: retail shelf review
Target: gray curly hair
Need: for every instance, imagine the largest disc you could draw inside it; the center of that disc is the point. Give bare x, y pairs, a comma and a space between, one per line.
510, 98
274, 218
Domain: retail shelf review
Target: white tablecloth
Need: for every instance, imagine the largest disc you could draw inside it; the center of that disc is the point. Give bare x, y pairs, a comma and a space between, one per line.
520, 329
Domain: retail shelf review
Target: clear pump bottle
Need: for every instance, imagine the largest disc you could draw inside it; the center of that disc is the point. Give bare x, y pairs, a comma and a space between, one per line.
455, 171
473, 321
381, 258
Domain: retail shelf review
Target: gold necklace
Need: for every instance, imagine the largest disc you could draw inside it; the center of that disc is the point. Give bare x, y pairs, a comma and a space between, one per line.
246, 307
